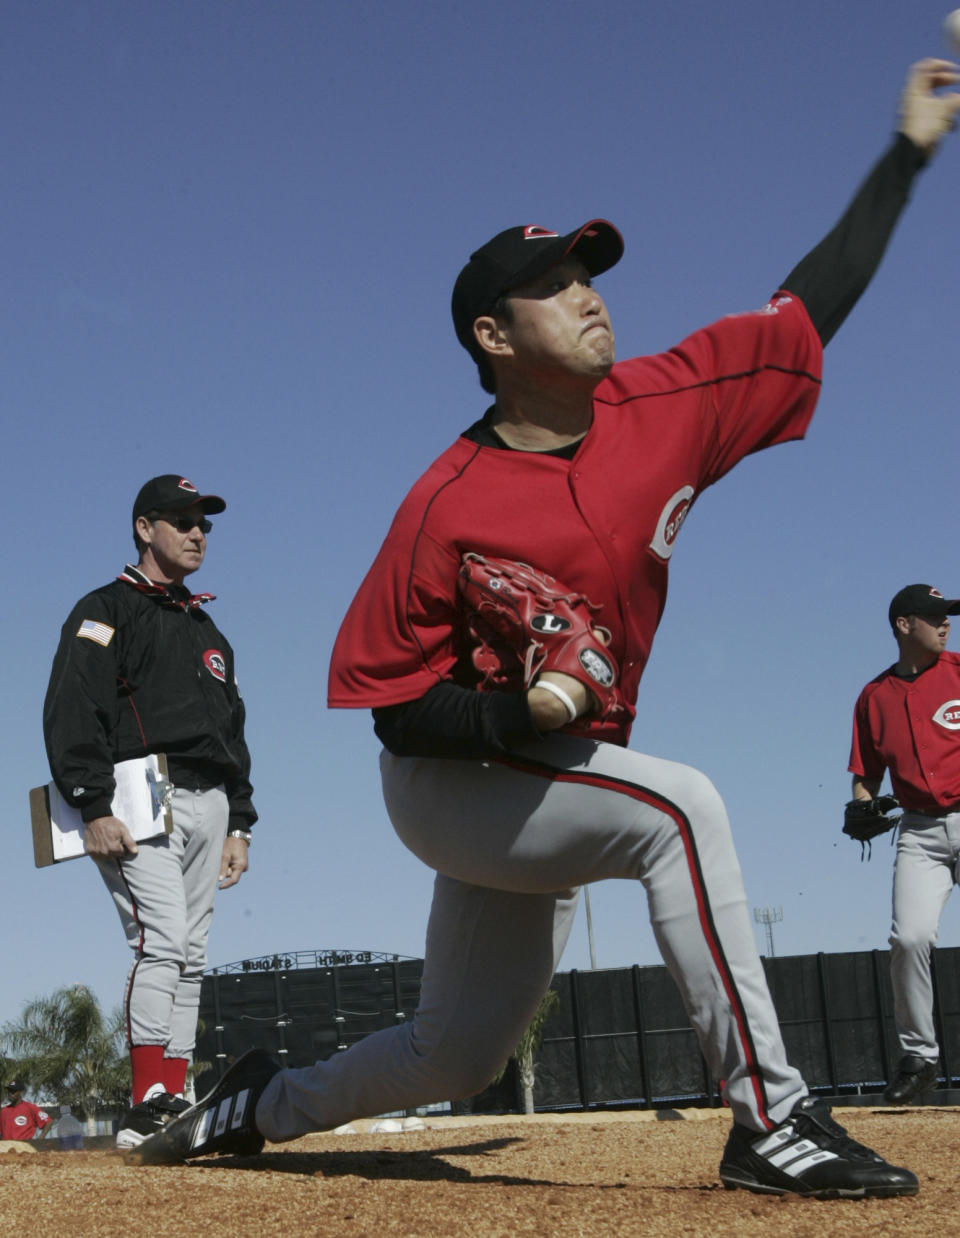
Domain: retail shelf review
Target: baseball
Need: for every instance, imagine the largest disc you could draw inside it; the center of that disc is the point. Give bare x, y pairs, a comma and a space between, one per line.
951, 31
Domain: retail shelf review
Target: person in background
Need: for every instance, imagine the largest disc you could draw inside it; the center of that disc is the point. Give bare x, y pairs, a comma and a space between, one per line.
141, 668
22, 1119
907, 721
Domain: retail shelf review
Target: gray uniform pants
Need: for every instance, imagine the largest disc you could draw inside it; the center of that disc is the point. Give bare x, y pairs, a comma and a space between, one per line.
165, 896
511, 841
926, 870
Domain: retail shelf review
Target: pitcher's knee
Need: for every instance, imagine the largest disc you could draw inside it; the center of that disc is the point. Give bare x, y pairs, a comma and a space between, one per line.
459, 1071
701, 801
469, 1082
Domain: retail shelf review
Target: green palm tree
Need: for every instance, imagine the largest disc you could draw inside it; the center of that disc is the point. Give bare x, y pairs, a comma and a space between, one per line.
68, 1052
529, 1043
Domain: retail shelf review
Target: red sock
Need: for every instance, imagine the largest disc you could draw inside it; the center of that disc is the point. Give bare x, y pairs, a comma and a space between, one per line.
146, 1062
175, 1074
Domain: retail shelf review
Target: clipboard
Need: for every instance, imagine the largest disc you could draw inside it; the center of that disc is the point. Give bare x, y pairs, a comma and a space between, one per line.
141, 801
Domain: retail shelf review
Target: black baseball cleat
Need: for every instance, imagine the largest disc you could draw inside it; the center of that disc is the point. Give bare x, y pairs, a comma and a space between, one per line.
914, 1078
810, 1154
223, 1121
147, 1118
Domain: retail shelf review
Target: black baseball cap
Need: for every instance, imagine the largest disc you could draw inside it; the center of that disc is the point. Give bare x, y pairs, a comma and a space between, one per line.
16, 1085
921, 600
169, 493
523, 253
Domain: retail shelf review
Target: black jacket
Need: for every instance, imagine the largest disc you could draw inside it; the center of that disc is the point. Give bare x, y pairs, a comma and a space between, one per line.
141, 668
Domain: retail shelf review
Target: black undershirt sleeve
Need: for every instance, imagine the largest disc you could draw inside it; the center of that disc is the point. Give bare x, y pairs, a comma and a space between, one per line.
450, 721
830, 279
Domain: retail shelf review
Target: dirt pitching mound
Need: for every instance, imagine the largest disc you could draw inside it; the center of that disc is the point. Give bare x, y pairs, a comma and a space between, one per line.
573, 1176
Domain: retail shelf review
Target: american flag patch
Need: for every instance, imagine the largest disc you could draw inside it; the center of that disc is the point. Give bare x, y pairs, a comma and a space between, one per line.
102, 633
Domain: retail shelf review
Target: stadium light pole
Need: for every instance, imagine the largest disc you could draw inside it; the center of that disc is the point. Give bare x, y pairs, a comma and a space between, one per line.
768, 916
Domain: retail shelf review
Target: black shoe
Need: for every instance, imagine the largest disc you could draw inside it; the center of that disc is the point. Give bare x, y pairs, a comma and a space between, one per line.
150, 1116
222, 1122
809, 1154
915, 1076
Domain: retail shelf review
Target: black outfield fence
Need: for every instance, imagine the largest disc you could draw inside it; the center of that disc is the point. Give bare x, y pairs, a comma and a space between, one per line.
301, 1006
619, 1038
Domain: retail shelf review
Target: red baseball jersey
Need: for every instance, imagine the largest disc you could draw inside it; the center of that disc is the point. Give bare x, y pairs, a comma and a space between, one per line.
912, 728
23, 1120
604, 523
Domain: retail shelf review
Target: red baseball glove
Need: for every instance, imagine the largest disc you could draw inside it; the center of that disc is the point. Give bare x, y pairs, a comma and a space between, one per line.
521, 622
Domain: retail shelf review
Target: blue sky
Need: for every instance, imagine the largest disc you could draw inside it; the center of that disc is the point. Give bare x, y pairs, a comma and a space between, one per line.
230, 231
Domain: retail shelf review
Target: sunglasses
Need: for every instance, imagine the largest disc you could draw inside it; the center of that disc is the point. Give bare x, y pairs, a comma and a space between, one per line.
183, 524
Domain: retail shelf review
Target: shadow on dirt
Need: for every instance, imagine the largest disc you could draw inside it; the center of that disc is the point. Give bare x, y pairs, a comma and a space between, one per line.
422, 1165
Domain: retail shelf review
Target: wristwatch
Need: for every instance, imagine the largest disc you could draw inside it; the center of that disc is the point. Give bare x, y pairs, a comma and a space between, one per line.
244, 834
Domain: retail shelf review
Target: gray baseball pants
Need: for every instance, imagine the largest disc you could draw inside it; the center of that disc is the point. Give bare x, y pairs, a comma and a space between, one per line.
926, 870
511, 841
165, 895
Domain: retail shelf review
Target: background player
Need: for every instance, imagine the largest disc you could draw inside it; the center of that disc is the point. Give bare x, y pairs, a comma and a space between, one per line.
142, 668
907, 720
21, 1119
584, 470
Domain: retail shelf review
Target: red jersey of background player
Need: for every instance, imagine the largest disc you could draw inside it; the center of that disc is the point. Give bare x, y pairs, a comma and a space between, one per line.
912, 728
22, 1120
605, 523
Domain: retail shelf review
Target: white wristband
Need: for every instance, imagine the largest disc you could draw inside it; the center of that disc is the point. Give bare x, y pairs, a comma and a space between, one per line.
559, 693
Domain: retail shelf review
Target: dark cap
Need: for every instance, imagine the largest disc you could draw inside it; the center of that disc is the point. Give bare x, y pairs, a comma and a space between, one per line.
921, 600
169, 493
16, 1085
523, 253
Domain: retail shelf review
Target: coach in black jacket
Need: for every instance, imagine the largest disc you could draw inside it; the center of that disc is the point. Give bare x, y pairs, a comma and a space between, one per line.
142, 668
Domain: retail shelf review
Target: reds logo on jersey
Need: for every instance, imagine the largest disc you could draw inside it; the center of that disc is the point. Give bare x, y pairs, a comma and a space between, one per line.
216, 664
671, 518
948, 716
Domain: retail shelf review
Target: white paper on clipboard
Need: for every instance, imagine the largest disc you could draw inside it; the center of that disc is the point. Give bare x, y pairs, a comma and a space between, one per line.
141, 801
